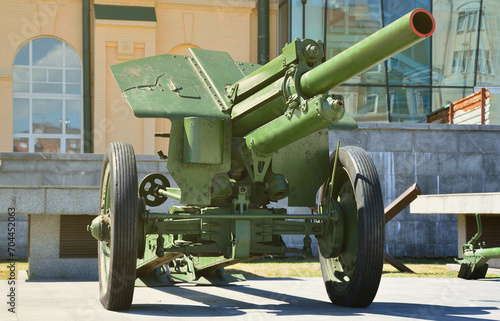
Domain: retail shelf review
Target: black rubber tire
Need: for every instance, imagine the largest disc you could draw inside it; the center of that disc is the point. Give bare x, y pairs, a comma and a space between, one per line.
118, 196
356, 180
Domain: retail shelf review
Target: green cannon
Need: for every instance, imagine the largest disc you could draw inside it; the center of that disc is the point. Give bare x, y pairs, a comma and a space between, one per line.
244, 136
473, 264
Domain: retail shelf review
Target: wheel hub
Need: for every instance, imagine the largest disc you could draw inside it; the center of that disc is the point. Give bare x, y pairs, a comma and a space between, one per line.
100, 228
331, 243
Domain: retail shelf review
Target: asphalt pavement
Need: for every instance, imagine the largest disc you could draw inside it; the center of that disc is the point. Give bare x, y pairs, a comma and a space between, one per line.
257, 299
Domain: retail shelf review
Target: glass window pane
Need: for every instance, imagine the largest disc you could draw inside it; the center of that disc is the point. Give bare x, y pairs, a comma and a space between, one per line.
74, 76
47, 88
23, 55
20, 74
444, 96
364, 104
73, 116
55, 75
296, 8
72, 59
73, 89
47, 52
461, 21
21, 144
21, 115
455, 38
349, 22
314, 19
409, 104
489, 49
47, 116
20, 87
39, 74
412, 66
73, 146
47, 145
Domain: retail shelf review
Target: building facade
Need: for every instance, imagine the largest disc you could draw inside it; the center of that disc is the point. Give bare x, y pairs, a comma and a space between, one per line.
58, 93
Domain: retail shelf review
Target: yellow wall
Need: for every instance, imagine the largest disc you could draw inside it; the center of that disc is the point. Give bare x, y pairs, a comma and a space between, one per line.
216, 25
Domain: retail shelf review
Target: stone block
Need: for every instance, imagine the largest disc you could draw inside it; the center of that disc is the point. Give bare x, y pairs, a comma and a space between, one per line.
17, 165
403, 126
491, 184
401, 141
21, 241
447, 232
424, 250
71, 179
470, 164
147, 167
72, 200
404, 163
78, 157
55, 268
436, 142
21, 178
426, 232
428, 184
391, 231
426, 163
25, 200
480, 142
44, 237
452, 184
69, 166
26, 156
357, 138
492, 165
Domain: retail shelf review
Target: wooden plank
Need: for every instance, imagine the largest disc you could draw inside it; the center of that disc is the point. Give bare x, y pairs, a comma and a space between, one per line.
401, 202
398, 265
394, 209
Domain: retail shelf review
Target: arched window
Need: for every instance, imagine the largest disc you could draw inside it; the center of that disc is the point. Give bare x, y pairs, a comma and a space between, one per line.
47, 92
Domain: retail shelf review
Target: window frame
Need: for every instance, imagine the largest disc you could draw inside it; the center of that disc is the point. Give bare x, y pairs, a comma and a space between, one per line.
33, 137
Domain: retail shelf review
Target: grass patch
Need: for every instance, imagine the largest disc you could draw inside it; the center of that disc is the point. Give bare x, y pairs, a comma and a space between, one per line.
300, 267
5, 270
295, 267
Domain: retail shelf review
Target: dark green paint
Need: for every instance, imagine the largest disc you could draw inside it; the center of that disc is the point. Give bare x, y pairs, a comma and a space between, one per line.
134, 13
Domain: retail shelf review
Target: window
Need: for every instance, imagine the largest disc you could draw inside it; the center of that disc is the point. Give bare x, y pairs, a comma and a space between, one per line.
468, 16
47, 92
456, 59
371, 103
461, 21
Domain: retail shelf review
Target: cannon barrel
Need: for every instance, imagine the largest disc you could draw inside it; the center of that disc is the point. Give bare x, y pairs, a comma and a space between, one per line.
308, 89
388, 41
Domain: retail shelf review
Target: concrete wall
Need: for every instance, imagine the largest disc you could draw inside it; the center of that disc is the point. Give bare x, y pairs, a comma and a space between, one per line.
441, 159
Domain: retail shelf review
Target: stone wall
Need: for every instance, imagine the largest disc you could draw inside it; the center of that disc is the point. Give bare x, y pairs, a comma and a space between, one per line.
441, 159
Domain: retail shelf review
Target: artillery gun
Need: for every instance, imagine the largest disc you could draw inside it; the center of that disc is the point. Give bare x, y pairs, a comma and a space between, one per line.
244, 136
473, 264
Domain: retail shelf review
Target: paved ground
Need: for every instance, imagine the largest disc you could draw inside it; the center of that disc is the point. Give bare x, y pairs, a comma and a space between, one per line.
263, 299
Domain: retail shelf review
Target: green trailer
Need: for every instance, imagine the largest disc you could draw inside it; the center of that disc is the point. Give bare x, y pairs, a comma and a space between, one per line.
243, 137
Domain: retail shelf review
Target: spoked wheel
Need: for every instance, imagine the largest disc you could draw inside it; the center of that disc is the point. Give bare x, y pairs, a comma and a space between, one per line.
118, 207
352, 272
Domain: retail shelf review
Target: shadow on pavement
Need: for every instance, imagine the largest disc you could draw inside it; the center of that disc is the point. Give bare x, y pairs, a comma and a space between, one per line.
296, 305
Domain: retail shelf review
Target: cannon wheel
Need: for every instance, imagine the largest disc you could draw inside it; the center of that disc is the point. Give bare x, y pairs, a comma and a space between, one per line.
352, 278
118, 199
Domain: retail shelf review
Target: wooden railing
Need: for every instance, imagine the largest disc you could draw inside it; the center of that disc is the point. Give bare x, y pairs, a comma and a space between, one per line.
471, 109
